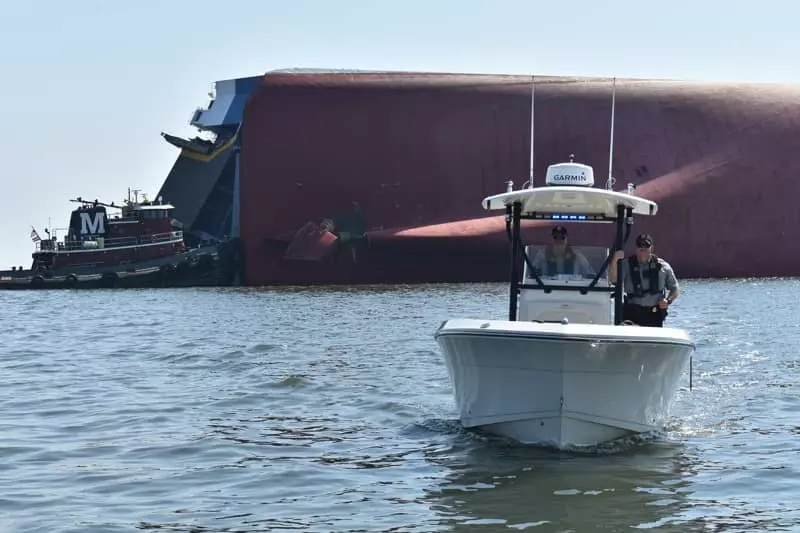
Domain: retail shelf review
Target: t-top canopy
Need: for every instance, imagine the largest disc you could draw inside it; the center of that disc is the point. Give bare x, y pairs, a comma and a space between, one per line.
573, 200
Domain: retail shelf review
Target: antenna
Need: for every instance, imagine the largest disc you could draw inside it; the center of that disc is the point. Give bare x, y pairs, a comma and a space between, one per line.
533, 100
610, 181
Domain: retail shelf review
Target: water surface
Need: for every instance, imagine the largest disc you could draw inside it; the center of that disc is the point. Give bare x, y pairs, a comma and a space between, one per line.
330, 410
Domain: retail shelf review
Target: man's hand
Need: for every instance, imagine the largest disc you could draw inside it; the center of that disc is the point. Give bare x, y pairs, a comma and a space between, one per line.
663, 303
619, 254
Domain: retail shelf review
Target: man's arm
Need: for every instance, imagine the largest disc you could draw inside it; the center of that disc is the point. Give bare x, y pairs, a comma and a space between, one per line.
671, 283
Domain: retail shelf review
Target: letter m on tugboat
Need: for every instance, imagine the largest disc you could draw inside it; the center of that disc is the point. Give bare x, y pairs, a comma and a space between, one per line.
93, 222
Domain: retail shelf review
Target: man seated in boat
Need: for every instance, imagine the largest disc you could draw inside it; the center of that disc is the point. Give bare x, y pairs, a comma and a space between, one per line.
560, 258
650, 284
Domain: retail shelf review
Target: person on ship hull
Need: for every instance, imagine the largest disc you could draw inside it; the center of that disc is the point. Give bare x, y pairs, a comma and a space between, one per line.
650, 284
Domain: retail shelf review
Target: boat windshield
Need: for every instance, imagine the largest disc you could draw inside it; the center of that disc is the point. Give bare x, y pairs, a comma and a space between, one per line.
573, 263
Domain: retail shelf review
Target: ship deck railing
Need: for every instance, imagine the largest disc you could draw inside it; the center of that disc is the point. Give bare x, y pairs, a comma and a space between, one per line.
50, 245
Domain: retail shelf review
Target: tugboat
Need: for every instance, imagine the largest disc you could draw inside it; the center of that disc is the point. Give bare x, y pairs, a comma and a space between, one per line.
140, 246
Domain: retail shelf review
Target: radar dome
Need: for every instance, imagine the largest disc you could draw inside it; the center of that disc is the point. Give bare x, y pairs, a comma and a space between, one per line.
575, 174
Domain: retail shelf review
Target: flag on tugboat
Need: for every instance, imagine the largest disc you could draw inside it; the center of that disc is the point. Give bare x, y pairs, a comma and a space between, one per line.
35, 236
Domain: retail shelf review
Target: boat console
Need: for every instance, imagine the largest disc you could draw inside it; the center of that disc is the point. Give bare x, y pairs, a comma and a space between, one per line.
568, 305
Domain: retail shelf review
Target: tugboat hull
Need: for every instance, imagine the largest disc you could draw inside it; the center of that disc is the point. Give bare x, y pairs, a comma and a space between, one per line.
207, 266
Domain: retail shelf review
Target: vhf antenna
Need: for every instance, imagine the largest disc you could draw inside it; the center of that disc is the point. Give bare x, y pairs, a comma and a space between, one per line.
533, 100
610, 181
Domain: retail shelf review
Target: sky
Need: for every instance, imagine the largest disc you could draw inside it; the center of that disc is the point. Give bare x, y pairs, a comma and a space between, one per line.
88, 85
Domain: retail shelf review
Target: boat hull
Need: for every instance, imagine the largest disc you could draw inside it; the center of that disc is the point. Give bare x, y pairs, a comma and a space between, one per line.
215, 265
563, 385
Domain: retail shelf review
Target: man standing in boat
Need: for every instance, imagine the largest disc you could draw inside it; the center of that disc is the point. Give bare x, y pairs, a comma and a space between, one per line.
650, 284
561, 258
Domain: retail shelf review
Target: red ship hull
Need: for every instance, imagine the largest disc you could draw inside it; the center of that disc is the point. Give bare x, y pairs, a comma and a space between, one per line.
418, 152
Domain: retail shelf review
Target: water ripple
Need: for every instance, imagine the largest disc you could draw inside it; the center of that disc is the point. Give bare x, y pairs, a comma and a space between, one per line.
308, 409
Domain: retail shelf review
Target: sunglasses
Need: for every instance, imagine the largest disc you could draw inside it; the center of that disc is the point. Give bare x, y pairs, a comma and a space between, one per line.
559, 237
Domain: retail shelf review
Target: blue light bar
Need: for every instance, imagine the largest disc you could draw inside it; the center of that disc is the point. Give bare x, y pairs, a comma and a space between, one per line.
578, 217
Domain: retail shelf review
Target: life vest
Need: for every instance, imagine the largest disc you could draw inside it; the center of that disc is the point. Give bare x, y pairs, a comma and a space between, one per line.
552, 261
653, 266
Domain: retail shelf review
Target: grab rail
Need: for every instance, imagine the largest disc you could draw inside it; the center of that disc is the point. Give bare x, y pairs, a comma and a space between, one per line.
103, 243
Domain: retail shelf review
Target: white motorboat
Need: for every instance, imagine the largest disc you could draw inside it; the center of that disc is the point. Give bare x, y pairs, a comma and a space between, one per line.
564, 370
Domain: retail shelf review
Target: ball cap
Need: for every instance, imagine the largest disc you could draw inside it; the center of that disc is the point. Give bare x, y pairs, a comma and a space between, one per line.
644, 241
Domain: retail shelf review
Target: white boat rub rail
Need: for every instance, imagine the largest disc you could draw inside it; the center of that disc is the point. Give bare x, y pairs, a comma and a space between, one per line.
559, 331
560, 337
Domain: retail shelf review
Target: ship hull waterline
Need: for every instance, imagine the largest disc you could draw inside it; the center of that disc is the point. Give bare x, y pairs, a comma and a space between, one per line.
563, 386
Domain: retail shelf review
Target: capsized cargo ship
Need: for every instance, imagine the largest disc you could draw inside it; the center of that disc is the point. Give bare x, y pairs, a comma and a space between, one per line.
376, 177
